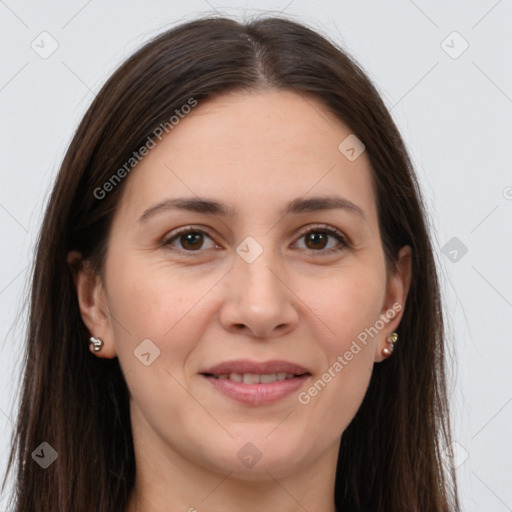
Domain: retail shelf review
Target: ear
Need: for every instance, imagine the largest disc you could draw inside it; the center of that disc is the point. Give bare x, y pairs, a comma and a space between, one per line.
397, 289
92, 303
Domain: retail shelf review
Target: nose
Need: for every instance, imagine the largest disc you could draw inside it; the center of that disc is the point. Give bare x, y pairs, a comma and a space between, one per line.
260, 302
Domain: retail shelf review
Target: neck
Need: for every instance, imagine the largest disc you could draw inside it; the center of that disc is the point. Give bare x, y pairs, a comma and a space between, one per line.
169, 482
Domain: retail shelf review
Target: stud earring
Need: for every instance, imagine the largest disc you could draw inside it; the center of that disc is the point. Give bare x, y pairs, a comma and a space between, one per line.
95, 344
387, 351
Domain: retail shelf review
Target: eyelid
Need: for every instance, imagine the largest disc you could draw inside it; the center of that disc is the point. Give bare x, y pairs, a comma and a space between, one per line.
330, 230
175, 233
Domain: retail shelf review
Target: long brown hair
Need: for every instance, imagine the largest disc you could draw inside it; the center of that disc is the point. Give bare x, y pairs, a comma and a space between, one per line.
390, 457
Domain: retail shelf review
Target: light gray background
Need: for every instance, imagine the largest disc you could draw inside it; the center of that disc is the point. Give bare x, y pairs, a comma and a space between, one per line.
454, 113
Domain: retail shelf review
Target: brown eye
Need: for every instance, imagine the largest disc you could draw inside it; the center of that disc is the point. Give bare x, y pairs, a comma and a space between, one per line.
316, 240
189, 240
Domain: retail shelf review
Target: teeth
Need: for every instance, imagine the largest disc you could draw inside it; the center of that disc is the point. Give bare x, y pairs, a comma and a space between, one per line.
251, 378
254, 378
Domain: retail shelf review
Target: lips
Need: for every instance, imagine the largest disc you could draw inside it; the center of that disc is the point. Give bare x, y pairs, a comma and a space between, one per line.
254, 378
245, 366
256, 383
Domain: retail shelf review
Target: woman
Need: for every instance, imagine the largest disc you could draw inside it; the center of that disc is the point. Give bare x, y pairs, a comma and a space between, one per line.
235, 302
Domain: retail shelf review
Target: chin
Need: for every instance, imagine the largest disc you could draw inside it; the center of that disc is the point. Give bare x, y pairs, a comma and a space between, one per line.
253, 456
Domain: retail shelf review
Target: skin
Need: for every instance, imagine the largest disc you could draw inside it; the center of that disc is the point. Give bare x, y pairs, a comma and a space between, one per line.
254, 152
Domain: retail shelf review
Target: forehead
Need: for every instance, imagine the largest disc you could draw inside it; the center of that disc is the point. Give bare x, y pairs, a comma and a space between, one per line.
252, 150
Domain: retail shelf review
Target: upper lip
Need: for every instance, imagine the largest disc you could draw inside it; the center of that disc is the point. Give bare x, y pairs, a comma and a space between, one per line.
259, 368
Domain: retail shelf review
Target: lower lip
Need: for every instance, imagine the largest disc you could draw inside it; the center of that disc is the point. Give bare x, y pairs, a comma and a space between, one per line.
257, 394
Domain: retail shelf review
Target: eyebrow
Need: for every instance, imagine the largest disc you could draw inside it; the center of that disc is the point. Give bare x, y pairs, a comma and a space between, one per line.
209, 206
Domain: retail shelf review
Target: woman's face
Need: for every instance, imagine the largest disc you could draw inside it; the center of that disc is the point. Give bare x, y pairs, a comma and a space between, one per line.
257, 285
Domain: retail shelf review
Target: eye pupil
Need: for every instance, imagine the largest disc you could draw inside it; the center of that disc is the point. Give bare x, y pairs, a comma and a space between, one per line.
315, 238
191, 240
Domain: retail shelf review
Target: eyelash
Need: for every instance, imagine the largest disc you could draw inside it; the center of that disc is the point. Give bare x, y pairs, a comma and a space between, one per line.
321, 228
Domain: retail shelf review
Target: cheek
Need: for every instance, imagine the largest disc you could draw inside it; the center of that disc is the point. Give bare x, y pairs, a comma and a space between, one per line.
155, 312
150, 300
336, 393
350, 302
349, 306
145, 295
